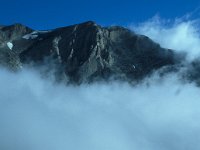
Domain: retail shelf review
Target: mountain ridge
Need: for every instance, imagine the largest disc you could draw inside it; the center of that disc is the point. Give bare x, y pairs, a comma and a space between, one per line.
85, 52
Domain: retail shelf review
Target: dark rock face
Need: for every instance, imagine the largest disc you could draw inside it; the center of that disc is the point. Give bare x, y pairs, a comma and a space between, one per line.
84, 52
8, 36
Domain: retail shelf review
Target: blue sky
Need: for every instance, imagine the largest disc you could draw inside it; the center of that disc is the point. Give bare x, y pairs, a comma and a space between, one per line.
43, 14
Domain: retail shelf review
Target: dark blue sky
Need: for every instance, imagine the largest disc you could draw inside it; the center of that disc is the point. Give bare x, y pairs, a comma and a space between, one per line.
44, 14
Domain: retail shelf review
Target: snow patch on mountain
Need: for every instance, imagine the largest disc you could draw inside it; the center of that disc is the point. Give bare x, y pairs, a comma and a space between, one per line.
30, 36
10, 45
34, 35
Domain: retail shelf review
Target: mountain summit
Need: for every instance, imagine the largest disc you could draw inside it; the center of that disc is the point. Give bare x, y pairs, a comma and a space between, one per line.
84, 52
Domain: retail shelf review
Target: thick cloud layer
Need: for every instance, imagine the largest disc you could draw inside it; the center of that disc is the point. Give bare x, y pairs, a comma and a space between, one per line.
159, 114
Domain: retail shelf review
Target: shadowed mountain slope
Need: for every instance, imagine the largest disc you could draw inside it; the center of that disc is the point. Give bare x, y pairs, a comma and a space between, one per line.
84, 52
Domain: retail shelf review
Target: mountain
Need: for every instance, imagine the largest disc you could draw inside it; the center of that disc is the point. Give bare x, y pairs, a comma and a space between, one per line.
84, 52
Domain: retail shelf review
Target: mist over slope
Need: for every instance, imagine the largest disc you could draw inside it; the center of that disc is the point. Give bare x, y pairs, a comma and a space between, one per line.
159, 113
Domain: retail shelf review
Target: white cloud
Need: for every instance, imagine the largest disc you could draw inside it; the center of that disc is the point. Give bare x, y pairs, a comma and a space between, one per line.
39, 115
180, 34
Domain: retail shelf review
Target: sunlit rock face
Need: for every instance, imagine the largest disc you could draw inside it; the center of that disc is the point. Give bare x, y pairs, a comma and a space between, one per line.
84, 52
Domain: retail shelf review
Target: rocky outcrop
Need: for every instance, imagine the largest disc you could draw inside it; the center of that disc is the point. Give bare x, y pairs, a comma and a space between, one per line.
84, 52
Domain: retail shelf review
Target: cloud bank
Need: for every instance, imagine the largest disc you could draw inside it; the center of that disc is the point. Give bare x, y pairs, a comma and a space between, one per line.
36, 114
158, 114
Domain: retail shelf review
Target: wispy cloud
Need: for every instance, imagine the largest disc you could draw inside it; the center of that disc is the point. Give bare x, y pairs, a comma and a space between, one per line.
180, 34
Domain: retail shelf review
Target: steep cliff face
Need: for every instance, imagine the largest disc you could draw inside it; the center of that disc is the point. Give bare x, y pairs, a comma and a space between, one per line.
84, 52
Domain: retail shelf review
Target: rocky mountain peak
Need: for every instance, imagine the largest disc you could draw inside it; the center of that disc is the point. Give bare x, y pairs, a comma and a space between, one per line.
84, 52
14, 31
